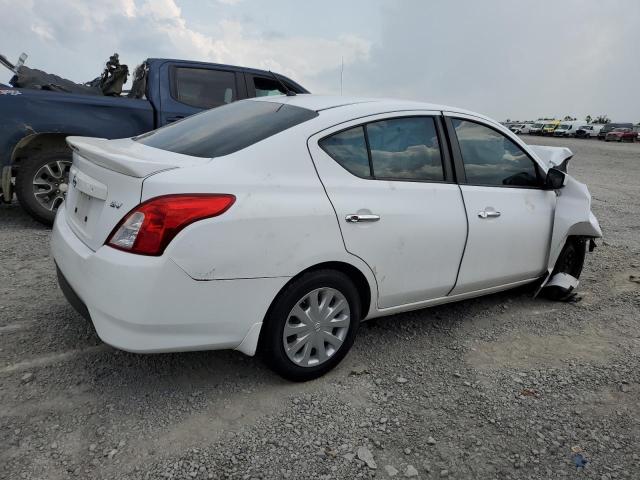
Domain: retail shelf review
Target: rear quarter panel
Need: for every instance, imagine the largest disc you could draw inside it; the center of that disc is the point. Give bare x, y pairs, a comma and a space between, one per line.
281, 223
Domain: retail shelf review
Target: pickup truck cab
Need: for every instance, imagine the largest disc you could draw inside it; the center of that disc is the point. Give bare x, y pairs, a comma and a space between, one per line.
34, 157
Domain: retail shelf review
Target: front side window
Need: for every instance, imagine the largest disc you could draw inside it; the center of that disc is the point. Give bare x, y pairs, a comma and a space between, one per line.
405, 149
227, 129
266, 87
398, 149
204, 88
492, 159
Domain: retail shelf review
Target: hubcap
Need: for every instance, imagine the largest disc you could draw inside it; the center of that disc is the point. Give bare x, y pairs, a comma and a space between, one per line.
316, 327
51, 182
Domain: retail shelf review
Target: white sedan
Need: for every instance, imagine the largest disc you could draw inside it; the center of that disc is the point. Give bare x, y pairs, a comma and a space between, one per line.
278, 225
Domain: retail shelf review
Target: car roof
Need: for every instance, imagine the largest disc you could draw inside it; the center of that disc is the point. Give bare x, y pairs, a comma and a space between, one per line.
321, 103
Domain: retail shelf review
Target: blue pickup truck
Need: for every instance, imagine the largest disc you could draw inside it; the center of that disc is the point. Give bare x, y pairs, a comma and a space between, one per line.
34, 157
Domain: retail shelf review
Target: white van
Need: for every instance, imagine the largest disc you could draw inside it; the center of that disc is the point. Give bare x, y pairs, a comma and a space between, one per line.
520, 128
568, 129
588, 131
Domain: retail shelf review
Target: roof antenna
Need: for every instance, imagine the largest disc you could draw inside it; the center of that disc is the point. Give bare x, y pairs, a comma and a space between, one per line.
341, 74
287, 91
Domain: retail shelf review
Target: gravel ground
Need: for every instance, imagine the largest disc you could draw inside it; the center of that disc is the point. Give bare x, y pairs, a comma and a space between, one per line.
498, 387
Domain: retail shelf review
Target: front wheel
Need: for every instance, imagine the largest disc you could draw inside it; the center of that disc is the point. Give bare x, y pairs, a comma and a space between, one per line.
571, 262
42, 182
311, 325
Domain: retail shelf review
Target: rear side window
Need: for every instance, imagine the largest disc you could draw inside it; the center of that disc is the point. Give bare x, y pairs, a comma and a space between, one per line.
227, 129
349, 149
404, 148
204, 88
492, 159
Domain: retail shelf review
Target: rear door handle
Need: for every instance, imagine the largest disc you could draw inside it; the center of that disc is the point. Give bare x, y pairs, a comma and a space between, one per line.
488, 214
355, 218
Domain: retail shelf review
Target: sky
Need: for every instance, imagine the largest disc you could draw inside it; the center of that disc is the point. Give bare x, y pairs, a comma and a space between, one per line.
503, 58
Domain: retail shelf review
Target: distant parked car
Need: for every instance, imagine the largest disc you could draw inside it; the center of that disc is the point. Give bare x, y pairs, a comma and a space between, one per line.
609, 127
621, 135
536, 129
588, 131
567, 129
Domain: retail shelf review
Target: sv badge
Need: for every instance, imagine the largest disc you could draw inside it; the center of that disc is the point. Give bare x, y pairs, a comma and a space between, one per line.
115, 204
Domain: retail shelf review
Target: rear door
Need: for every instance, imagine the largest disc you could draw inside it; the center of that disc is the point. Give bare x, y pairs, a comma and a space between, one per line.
193, 88
398, 208
510, 214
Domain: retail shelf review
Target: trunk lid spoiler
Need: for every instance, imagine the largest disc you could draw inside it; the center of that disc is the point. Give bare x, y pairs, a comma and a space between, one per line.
128, 157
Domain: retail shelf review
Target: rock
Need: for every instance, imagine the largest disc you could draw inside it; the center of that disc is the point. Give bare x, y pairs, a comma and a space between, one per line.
410, 472
407, 451
26, 378
401, 380
431, 441
359, 370
391, 471
444, 473
92, 447
367, 457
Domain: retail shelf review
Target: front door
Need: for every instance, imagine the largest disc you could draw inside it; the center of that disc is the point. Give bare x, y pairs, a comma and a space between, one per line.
396, 203
510, 214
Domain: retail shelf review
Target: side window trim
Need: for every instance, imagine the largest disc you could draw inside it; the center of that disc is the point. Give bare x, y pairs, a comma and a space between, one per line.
459, 163
173, 84
448, 174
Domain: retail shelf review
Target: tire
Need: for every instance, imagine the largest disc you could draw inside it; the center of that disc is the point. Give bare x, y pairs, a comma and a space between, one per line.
33, 178
571, 261
306, 362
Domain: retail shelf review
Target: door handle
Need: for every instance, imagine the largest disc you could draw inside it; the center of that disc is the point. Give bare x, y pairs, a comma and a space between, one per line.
355, 218
175, 118
488, 214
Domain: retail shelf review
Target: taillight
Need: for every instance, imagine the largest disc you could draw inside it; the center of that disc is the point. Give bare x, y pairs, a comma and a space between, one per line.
148, 228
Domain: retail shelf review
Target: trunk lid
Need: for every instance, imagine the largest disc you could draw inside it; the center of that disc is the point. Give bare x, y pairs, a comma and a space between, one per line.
105, 182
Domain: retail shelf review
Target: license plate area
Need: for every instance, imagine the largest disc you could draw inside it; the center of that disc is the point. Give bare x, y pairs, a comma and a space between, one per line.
82, 208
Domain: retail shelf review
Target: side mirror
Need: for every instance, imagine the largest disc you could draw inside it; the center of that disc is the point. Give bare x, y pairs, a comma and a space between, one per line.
554, 179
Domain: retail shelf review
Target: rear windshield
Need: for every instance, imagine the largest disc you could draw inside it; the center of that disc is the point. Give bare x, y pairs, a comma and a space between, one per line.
226, 129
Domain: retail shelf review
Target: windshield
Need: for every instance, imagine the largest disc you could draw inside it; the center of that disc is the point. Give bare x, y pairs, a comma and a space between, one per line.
619, 129
550, 125
537, 125
226, 129
563, 127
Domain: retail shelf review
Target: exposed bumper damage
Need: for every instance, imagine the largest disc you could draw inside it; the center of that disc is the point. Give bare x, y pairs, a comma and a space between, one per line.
573, 218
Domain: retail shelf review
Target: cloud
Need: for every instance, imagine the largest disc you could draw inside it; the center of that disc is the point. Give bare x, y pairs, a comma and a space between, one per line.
75, 41
504, 59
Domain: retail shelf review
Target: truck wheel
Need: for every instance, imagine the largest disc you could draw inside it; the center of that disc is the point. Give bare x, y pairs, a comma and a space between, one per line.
42, 182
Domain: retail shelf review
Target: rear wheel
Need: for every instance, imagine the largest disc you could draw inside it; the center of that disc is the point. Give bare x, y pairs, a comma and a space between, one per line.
42, 182
311, 325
